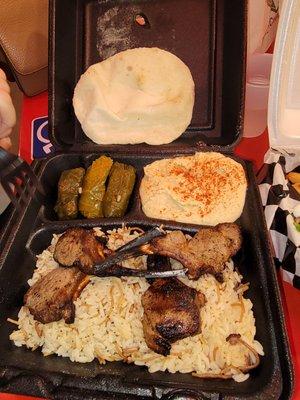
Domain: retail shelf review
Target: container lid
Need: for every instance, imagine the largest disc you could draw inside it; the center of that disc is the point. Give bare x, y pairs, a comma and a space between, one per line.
208, 36
284, 94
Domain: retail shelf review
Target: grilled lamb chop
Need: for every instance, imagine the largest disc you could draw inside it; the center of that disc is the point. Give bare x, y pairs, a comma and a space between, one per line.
79, 247
171, 312
51, 297
206, 252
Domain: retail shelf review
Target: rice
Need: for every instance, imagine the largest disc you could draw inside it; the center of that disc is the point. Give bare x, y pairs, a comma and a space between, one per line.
108, 322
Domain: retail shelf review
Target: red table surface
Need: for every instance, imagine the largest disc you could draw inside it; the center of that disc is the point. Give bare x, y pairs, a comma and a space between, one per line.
251, 149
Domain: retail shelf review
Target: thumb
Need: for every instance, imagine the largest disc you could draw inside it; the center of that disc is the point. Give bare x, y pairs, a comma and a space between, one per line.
7, 114
5, 143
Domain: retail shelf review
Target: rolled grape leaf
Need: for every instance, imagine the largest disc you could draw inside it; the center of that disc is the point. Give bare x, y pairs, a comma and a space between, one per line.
93, 188
68, 192
119, 189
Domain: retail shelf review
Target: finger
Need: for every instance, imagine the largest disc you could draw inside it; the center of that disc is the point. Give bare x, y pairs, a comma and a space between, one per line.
2, 74
7, 113
5, 132
4, 85
5, 143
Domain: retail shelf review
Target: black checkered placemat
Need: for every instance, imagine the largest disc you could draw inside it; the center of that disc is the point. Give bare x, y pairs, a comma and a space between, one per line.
279, 199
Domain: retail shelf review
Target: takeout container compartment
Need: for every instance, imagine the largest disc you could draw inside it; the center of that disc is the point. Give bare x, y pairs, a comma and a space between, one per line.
253, 261
209, 36
134, 379
55, 165
51, 172
52, 168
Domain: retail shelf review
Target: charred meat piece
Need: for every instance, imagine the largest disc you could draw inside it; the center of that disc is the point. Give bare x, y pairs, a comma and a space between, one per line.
155, 262
51, 298
79, 247
171, 312
206, 252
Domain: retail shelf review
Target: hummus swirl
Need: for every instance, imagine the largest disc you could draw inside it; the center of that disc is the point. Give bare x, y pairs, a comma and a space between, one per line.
206, 188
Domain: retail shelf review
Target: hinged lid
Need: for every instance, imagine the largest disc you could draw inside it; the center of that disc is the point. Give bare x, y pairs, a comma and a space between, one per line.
209, 36
284, 95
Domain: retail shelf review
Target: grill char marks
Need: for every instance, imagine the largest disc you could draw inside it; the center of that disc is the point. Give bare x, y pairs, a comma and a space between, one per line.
206, 252
51, 297
79, 247
155, 262
171, 312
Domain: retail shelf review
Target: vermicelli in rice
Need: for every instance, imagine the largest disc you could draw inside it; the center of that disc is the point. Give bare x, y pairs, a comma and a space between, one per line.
108, 323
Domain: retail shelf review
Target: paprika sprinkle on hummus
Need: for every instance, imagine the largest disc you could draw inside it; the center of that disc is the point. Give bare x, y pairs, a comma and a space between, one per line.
206, 188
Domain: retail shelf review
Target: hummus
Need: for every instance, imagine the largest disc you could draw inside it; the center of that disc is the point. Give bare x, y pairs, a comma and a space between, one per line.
206, 189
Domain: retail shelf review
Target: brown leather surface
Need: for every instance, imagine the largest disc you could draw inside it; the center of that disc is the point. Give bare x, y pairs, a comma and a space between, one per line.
33, 84
24, 34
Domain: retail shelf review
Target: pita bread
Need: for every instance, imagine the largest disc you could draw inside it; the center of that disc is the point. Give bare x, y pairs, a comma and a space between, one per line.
138, 95
205, 189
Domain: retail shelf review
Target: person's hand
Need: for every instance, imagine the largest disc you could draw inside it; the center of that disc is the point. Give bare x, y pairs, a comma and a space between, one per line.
7, 112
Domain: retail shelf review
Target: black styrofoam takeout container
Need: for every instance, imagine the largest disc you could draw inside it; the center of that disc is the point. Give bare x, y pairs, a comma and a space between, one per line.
209, 36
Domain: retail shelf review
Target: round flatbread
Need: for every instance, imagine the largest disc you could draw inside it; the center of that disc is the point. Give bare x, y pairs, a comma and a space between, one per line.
138, 95
206, 189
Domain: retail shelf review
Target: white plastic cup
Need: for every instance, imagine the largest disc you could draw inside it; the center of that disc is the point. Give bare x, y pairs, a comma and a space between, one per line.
257, 91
